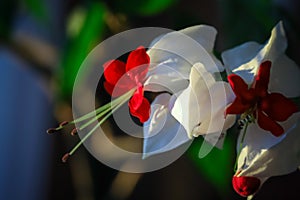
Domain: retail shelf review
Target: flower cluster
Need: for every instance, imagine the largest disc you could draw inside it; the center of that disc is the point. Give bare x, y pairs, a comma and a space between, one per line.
256, 94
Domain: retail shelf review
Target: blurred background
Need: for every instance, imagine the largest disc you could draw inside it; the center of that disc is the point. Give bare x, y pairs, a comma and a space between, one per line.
42, 44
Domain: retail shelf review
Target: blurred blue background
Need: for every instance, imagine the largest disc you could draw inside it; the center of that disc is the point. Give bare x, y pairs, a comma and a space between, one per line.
42, 44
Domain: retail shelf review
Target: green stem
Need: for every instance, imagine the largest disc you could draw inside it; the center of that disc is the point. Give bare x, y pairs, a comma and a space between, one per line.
240, 146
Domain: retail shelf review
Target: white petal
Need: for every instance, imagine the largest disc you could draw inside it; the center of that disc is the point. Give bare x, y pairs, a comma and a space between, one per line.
200, 108
220, 95
183, 113
276, 45
203, 34
180, 50
264, 155
162, 132
215, 139
274, 49
187, 108
235, 57
165, 78
285, 77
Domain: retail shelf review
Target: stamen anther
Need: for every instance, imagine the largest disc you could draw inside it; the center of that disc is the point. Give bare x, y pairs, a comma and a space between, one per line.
64, 123
65, 157
51, 130
74, 132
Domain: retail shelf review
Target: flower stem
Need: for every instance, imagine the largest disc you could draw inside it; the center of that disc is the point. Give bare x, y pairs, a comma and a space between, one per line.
241, 146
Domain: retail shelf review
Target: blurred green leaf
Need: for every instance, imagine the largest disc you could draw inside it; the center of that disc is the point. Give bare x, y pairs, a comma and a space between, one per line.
146, 7
75, 22
79, 46
256, 19
262, 11
217, 166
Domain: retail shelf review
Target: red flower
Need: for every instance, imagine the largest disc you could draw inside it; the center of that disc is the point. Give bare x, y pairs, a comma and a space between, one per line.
267, 108
122, 77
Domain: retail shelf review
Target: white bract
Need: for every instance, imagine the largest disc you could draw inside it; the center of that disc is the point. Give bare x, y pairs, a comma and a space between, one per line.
262, 159
200, 108
172, 57
244, 60
162, 132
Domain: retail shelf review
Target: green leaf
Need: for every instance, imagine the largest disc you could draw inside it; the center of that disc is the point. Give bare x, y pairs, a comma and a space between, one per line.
146, 7
79, 46
256, 19
217, 166
154, 6
263, 12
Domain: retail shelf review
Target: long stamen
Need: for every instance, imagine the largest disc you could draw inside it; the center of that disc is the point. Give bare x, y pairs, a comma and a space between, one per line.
67, 155
103, 108
98, 110
113, 105
96, 118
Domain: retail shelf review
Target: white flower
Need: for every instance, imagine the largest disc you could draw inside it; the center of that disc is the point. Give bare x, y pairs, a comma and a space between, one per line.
263, 155
172, 57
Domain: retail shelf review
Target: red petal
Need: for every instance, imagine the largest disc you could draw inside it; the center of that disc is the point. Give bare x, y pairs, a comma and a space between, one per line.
113, 71
143, 112
262, 79
237, 107
268, 124
139, 106
137, 98
115, 91
136, 58
278, 107
245, 185
108, 87
240, 89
